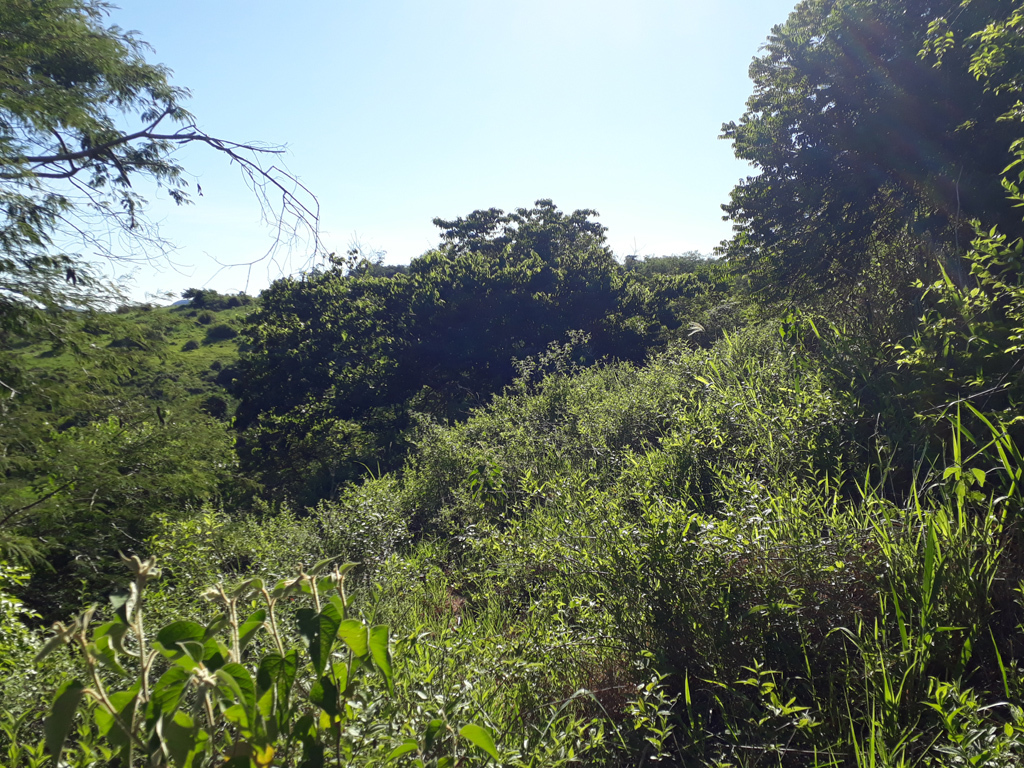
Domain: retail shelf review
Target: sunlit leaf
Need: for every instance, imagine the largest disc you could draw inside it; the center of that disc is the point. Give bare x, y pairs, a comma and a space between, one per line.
480, 737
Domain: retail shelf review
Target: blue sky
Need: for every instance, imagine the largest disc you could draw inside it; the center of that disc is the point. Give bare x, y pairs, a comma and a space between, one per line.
394, 112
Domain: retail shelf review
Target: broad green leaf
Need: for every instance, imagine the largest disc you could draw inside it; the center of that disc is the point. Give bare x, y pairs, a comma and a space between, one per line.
248, 630
319, 568
354, 634
433, 728
330, 620
215, 654
115, 632
170, 637
324, 694
49, 647
407, 746
237, 680
268, 672
215, 626
62, 714
277, 671
284, 586
265, 704
254, 584
340, 670
381, 652
286, 677
194, 650
336, 602
305, 727
179, 631
124, 703
480, 737
319, 631
238, 715
202, 738
122, 603
308, 624
167, 692
179, 736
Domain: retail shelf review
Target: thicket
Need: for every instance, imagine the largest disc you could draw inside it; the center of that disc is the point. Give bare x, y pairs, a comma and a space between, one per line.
338, 360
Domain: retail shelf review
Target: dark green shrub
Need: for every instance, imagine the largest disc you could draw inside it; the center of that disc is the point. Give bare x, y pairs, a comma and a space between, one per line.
220, 332
124, 309
226, 377
190, 345
126, 343
205, 318
210, 299
216, 407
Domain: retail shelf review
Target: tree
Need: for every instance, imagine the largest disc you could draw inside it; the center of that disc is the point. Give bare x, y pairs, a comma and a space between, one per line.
866, 150
338, 360
967, 347
85, 122
84, 118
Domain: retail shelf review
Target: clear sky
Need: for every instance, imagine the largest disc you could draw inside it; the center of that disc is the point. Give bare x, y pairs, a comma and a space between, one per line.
394, 112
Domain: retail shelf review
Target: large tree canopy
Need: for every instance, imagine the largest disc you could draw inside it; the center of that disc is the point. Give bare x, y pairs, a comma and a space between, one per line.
859, 137
339, 360
84, 118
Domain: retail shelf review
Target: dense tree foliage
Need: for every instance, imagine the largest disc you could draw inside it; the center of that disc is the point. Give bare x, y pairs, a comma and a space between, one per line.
870, 156
338, 360
967, 347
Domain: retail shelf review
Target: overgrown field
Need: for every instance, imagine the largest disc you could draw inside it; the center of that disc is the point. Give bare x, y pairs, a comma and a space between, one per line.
690, 560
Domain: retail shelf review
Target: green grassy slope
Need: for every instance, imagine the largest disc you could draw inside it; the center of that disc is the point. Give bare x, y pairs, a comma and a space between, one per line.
124, 418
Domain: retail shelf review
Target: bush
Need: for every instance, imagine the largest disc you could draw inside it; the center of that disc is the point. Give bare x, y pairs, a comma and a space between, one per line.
124, 309
216, 407
205, 318
330, 693
126, 343
221, 332
190, 345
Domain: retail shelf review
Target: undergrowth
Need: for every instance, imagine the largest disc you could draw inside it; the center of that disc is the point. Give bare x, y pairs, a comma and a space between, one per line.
692, 562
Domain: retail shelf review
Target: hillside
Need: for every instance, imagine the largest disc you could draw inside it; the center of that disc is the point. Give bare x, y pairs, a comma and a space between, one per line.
127, 414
